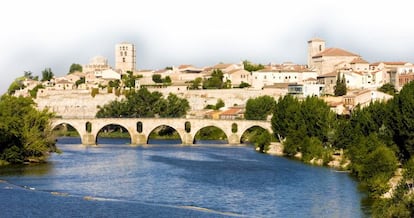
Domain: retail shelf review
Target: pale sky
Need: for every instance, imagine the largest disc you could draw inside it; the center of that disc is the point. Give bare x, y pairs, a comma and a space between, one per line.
49, 33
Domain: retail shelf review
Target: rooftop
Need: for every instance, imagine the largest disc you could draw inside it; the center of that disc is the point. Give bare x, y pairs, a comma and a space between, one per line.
334, 52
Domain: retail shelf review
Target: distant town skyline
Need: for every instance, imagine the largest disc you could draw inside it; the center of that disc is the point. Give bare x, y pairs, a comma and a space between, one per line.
53, 34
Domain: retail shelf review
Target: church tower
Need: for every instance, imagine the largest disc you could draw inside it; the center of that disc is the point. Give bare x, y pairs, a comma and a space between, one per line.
315, 46
125, 57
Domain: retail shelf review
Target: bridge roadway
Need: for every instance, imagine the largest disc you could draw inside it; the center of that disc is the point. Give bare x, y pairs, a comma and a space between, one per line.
140, 128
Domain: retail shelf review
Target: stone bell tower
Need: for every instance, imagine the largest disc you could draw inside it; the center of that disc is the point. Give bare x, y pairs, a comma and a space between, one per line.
125, 57
315, 46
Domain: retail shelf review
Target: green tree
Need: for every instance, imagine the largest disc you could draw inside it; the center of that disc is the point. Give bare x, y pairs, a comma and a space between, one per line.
143, 103
175, 106
215, 81
219, 104
29, 75
18, 82
157, 78
114, 83
244, 85
401, 120
262, 140
129, 79
388, 88
167, 80
286, 116
47, 74
259, 108
248, 66
75, 68
196, 83
24, 132
340, 87
15, 85
33, 92
80, 81
373, 163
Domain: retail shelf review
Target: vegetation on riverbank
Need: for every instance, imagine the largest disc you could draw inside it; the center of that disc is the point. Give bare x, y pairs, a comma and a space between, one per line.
25, 134
376, 139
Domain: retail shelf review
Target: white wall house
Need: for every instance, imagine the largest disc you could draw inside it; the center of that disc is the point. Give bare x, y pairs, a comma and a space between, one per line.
305, 90
237, 76
108, 74
365, 80
267, 77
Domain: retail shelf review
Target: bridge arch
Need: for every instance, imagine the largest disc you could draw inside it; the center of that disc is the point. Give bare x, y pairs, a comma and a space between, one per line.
198, 129
66, 126
180, 134
102, 126
247, 127
251, 128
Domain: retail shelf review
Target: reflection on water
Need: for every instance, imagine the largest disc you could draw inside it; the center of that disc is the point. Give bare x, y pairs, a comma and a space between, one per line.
228, 179
38, 169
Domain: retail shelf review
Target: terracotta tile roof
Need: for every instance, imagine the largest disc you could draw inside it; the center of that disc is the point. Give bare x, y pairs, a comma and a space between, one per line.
185, 66
359, 61
232, 111
395, 63
221, 66
335, 52
333, 103
237, 70
389, 63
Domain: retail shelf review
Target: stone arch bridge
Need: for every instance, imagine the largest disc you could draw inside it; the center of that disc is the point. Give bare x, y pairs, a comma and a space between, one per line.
139, 129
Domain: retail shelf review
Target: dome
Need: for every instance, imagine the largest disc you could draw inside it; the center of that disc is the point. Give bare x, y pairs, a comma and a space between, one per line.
99, 60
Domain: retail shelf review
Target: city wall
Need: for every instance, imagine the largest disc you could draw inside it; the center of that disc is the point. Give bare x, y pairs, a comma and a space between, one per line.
81, 104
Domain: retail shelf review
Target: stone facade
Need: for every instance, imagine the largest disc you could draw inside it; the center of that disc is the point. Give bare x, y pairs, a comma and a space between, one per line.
81, 104
125, 57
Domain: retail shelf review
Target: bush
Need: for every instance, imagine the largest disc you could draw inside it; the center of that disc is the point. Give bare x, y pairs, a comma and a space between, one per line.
94, 92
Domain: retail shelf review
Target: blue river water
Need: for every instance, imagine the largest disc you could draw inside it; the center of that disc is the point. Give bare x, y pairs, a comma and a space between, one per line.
165, 179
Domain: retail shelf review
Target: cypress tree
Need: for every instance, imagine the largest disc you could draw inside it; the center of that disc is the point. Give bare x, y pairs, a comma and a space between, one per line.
340, 87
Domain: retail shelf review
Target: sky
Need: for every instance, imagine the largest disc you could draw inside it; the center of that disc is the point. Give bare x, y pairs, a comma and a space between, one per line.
49, 33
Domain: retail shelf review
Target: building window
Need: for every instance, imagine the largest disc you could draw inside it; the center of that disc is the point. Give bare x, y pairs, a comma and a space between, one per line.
125, 53
121, 53
123, 60
320, 47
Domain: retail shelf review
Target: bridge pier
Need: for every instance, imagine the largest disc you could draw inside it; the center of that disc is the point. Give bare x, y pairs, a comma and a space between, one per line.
138, 139
187, 139
234, 139
88, 139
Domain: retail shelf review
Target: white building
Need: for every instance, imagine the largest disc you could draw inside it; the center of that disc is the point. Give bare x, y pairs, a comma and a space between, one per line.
108, 74
305, 90
237, 77
268, 77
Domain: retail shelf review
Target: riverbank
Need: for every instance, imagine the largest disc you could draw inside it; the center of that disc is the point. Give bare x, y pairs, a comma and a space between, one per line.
337, 161
27, 202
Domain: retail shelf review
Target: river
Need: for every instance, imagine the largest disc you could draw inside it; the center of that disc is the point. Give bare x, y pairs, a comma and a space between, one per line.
165, 179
